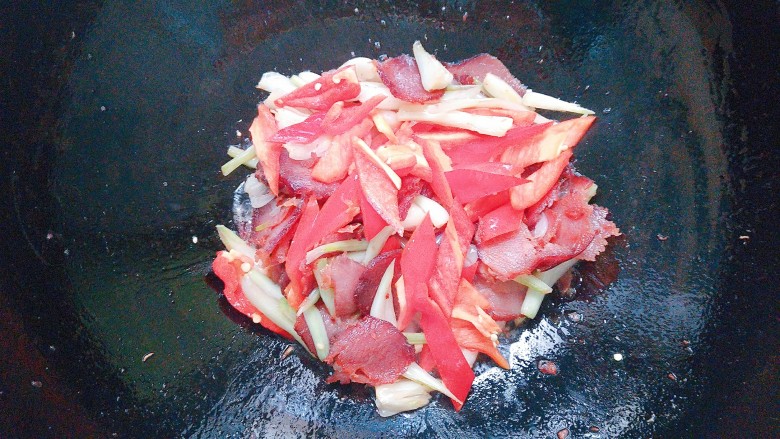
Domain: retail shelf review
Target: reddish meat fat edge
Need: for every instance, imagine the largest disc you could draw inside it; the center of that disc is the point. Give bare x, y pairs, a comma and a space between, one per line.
402, 212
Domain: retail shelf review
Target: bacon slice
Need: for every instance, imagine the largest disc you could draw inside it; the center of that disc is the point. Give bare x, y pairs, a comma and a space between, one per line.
342, 274
474, 69
296, 179
367, 285
333, 327
402, 77
505, 297
272, 224
371, 351
510, 255
605, 229
573, 225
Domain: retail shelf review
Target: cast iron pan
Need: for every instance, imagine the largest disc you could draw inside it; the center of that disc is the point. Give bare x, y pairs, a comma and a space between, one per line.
121, 115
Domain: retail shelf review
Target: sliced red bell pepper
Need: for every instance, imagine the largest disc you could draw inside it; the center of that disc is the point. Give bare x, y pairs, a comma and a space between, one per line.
338, 211
262, 129
444, 280
488, 147
453, 368
425, 359
470, 184
479, 208
313, 227
504, 219
466, 334
541, 181
417, 262
230, 273
467, 294
468, 337
378, 189
500, 168
372, 221
547, 144
350, 116
319, 95
463, 226
411, 186
439, 183
301, 132
296, 254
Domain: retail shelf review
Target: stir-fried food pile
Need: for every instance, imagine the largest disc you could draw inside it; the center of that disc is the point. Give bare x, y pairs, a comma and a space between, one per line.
402, 212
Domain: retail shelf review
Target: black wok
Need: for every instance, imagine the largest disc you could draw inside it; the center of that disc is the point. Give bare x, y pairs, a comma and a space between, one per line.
116, 118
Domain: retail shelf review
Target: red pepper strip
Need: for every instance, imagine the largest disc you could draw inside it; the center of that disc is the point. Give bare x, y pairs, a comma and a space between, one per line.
379, 190
487, 147
425, 359
230, 273
504, 219
542, 145
463, 226
479, 208
313, 227
444, 281
467, 294
469, 337
411, 187
500, 168
296, 254
338, 211
469, 272
372, 222
322, 93
417, 262
263, 128
541, 181
350, 116
439, 183
470, 185
466, 334
231, 277
301, 132
453, 368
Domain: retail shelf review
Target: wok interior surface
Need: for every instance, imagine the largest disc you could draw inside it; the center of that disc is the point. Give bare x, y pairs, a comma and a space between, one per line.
115, 191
